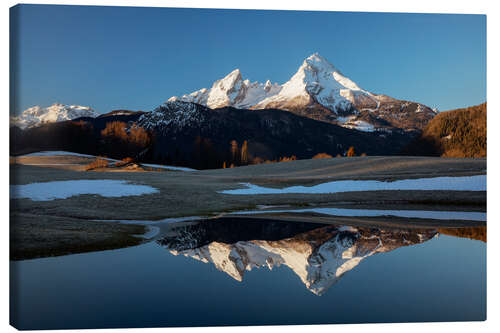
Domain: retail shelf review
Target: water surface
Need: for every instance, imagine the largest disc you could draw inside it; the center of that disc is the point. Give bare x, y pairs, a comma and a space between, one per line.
255, 273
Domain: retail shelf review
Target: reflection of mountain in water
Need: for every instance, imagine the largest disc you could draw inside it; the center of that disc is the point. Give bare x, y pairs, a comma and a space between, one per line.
317, 253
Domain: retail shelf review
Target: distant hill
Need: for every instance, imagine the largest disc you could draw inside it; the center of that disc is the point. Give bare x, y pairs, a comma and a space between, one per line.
120, 113
455, 133
57, 112
196, 136
193, 135
80, 135
189, 134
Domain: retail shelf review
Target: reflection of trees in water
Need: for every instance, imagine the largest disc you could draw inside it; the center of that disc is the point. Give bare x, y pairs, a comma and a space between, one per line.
477, 233
231, 230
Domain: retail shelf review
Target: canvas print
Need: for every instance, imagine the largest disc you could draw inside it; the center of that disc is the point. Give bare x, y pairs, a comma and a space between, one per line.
211, 167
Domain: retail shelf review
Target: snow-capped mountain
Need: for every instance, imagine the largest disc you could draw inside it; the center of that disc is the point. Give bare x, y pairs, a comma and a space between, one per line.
319, 257
231, 90
317, 90
37, 115
318, 81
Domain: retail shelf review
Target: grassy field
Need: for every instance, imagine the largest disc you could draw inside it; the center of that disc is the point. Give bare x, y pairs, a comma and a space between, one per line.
196, 193
35, 236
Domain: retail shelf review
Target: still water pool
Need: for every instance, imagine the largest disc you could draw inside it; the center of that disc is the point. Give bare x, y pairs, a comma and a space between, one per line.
255, 273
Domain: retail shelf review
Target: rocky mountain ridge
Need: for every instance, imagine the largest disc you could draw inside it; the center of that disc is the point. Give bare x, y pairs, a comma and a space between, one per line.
318, 90
57, 112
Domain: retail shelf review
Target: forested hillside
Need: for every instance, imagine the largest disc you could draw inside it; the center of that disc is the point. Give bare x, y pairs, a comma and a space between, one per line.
455, 133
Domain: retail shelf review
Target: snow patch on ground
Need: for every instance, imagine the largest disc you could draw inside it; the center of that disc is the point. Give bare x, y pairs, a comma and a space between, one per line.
59, 153
68, 153
469, 183
68, 188
162, 221
168, 167
51, 164
421, 214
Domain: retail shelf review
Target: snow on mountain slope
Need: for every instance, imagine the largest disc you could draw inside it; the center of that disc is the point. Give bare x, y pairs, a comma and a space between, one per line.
319, 80
231, 90
174, 115
316, 79
37, 115
318, 90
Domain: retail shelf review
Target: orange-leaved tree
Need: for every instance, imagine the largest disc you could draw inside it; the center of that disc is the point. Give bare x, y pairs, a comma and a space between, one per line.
322, 155
244, 153
122, 142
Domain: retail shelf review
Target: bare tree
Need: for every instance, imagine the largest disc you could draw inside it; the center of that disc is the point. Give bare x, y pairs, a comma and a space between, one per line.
244, 153
234, 151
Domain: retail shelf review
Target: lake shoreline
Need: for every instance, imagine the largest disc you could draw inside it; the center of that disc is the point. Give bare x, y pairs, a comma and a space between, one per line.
72, 225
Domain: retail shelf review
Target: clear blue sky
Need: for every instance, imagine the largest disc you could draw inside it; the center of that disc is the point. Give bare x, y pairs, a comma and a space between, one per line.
136, 58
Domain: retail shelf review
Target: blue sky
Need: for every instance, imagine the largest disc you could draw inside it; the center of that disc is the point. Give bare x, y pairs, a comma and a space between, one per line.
136, 58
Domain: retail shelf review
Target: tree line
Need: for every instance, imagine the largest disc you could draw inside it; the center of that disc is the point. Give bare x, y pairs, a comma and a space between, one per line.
455, 133
121, 140
240, 156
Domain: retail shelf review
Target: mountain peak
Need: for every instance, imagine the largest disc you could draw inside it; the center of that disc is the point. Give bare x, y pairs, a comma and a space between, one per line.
36, 115
231, 78
320, 62
231, 90
173, 114
316, 81
235, 72
229, 81
317, 89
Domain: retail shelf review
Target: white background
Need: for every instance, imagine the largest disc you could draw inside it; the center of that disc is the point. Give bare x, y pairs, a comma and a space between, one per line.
420, 6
